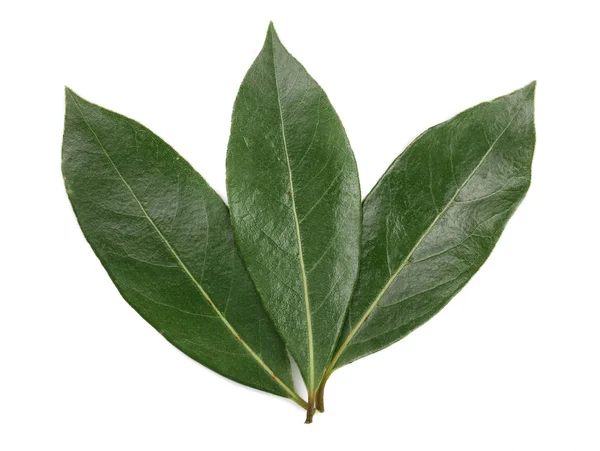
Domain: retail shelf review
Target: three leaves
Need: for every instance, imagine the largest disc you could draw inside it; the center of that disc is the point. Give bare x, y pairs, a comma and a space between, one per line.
307, 272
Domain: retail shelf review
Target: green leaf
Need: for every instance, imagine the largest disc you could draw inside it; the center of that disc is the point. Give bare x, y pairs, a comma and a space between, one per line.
294, 195
434, 217
164, 237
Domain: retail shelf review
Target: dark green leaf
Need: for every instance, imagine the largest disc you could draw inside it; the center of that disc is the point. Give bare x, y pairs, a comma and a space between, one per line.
294, 196
435, 216
164, 237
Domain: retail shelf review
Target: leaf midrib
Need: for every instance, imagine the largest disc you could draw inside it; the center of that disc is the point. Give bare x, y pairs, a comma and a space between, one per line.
311, 358
406, 260
182, 265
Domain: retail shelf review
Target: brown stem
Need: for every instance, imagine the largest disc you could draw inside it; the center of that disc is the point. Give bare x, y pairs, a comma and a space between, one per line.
310, 409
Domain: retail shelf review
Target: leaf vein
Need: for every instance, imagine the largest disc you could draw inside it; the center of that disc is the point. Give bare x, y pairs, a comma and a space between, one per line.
311, 358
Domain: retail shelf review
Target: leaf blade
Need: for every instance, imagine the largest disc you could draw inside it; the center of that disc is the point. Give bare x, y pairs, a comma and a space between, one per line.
140, 206
291, 176
385, 308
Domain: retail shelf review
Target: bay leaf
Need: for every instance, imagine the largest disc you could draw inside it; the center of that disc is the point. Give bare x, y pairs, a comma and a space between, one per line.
164, 237
294, 195
433, 219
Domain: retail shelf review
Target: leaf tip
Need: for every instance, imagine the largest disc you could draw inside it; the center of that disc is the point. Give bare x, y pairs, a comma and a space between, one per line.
529, 89
271, 34
524, 94
70, 94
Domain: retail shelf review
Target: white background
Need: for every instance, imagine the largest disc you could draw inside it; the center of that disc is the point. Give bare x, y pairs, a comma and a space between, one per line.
511, 364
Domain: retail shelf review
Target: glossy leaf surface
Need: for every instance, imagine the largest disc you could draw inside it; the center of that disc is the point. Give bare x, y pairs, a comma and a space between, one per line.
294, 195
435, 216
164, 237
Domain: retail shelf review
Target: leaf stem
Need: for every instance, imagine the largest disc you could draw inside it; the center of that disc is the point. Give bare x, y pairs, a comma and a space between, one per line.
310, 408
320, 403
298, 400
330, 369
